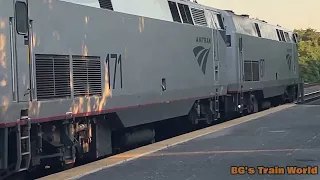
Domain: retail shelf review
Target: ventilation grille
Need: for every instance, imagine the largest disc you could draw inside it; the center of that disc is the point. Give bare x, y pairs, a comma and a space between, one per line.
106, 4
86, 76
52, 76
255, 71
199, 17
247, 71
251, 71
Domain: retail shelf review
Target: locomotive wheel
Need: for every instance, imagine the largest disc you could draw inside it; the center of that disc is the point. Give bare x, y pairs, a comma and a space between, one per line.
291, 95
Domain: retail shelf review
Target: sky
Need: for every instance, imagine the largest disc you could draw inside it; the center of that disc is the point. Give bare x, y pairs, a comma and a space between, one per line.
291, 14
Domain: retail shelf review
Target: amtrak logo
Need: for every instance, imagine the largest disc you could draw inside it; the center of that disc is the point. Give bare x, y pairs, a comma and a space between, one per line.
202, 57
288, 58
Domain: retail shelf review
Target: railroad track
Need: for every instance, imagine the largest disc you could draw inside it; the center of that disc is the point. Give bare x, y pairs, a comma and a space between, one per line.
306, 85
311, 97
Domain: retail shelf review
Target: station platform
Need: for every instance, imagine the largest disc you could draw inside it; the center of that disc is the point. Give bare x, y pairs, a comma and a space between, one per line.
289, 137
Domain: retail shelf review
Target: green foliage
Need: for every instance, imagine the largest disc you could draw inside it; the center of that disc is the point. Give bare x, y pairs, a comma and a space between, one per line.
309, 54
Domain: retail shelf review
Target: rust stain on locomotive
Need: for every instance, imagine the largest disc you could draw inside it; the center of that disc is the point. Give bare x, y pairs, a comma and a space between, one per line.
89, 100
89, 105
71, 80
96, 102
3, 61
106, 91
2, 24
3, 82
86, 19
3, 38
5, 104
49, 2
84, 46
141, 24
84, 49
34, 108
77, 106
35, 40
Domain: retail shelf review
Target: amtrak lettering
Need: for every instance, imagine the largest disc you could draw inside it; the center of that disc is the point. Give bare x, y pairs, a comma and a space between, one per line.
203, 40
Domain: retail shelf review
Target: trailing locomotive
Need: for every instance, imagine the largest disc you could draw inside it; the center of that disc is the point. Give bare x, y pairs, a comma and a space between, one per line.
75, 74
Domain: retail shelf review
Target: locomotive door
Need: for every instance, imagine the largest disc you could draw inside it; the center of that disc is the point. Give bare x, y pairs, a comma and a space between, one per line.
215, 43
20, 53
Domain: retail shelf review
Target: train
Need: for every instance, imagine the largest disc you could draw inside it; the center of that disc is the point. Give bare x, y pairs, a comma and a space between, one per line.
80, 78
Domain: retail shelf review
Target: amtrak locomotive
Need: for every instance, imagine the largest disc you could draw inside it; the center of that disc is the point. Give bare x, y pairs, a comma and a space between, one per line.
77, 74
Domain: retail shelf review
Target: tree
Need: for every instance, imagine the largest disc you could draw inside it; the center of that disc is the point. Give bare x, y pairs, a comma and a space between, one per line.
309, 54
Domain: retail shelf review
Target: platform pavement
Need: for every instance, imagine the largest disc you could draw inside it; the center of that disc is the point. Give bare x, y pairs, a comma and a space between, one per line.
286, 138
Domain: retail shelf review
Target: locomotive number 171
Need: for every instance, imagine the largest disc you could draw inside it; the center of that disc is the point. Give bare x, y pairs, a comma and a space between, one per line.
114, 62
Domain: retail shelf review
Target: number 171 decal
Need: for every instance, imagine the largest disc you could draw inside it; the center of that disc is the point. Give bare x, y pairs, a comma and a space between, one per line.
114, 60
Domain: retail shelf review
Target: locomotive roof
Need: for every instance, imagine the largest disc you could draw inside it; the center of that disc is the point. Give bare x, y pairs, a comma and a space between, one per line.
157, 8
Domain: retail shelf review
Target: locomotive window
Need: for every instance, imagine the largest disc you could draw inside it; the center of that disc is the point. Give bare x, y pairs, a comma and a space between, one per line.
282, 36
295, 38
220, 21
228, 40
287, 36
216, 21
105, 4
188, 13
185, 13
174, 11
279, 36
258, 29
21, 13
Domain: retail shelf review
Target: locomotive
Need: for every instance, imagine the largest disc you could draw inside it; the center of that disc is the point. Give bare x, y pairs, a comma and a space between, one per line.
76, 73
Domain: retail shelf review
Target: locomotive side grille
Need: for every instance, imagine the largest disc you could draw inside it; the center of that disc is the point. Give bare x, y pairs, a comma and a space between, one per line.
251, 71
86, 76
255, 71
247, 71
199, 17
106, 4
52, 76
